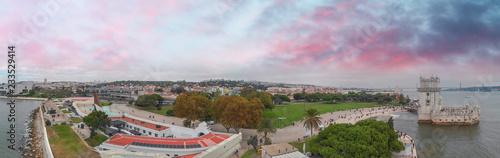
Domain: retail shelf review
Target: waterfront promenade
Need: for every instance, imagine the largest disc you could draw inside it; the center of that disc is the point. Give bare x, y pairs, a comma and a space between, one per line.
287, 134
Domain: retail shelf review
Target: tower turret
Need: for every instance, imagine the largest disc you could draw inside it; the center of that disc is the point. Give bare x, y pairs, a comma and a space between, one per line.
429, 98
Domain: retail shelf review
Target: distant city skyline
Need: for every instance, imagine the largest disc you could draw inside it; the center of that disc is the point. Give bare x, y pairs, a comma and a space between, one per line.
362, 43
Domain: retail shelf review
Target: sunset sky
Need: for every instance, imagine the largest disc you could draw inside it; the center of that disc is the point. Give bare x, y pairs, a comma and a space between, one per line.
331, 43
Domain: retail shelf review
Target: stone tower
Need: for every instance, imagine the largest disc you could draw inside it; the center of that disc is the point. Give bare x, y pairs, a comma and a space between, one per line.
429, 98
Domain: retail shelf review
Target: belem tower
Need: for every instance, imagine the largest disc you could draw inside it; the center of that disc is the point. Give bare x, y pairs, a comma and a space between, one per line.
430, 110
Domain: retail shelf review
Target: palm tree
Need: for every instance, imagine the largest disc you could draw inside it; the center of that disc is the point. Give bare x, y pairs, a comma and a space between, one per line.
266, 125
312, 119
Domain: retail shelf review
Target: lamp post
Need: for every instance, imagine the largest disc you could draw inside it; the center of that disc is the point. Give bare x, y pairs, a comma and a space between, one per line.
304, 95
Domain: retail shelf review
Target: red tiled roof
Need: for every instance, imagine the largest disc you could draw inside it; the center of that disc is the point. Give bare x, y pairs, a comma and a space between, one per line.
140, 123
204, 141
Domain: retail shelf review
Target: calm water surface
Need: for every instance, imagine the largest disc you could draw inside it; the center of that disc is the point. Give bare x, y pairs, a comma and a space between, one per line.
23, 110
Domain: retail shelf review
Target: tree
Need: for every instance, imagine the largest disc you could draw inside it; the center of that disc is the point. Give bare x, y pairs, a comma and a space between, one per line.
186, 123
308, 97
253, 141
277, 100
217, 94
170, 112
158, 99
312, 119
284, 98
298, 96
402, 99
191, 105
178, 90
265, 98
97, 120
407, 99
247, 92
146, 101
266, 126
236, 112
390, 122
158, 90
328, 98
367, 138
337, 98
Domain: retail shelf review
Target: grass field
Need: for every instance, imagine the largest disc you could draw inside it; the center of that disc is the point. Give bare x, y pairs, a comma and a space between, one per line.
65, 142
62, 107
97, 140
295, 112
66, 111
76, 120
249, 153
104, 104
163, 110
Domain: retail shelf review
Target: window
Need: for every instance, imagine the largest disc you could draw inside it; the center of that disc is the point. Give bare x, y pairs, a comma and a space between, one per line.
143, 131
156, 134
428, 94
149, 133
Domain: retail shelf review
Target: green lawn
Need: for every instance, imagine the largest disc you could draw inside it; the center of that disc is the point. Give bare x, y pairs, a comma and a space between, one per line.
97, 140
76, 120
104, 104
249, 153
66, 111
65, 141
62, 107
163, 110
295, 112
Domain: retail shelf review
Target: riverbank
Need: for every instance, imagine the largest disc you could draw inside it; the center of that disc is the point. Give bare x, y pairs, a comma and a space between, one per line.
33, 146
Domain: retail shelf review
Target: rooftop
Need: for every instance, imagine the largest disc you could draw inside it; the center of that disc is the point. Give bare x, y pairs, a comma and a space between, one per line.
278, 149
140, 123
204, 141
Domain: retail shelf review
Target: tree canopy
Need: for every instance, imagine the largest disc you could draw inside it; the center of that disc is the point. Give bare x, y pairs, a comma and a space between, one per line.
148, 100
178, 90
298, 96
265, 98
283, 98
97, 120
191, 105
247, 92
236, 112
367, 138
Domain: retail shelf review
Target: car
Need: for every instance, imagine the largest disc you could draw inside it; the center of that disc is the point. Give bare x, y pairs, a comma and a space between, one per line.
211, 122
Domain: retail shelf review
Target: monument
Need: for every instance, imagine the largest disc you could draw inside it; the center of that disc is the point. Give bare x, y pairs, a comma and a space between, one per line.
430, 110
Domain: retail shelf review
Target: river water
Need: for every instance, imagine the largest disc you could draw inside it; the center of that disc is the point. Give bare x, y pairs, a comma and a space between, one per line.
23, 110
481, 140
